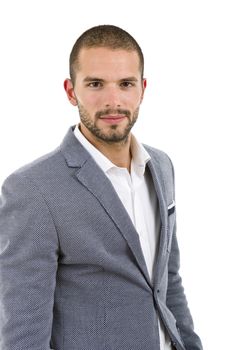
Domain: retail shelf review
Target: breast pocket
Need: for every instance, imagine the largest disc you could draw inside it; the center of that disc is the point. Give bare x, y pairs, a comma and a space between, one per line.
171, 223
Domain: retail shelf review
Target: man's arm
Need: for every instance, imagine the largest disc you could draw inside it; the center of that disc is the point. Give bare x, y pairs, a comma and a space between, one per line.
176, 300
28, 264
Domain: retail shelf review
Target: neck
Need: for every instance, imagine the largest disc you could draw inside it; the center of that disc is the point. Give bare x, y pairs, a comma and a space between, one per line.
118, 153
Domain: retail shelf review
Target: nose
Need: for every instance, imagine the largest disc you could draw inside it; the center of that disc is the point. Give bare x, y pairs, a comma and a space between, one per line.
112, 98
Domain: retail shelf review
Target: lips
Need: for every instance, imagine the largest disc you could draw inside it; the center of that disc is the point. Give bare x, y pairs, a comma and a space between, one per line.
119, 116
113, 118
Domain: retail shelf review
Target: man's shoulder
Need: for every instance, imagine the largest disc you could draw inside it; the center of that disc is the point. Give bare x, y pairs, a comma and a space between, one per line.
41, 167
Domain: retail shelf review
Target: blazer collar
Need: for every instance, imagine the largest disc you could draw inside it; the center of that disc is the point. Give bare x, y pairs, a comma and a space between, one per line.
75, 154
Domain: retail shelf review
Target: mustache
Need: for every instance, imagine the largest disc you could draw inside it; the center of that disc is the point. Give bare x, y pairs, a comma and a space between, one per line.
113, 111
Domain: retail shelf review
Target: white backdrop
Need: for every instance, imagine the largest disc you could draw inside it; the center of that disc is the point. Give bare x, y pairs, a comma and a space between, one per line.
186, 112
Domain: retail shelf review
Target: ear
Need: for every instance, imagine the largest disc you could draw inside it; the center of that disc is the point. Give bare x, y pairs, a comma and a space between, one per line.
69, 89
144, 84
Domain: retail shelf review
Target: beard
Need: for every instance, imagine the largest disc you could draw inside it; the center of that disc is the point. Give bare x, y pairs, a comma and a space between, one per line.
115, 134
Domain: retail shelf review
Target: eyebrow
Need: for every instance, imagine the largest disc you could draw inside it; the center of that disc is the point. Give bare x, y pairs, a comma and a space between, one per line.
89, 79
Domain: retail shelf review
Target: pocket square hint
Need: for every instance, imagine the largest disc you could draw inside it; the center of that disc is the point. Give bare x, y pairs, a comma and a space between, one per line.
171, 208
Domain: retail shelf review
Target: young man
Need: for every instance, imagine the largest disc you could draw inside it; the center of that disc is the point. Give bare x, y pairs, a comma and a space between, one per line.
89, 257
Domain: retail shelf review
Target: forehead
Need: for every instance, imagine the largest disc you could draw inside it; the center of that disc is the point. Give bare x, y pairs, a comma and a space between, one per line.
101, 61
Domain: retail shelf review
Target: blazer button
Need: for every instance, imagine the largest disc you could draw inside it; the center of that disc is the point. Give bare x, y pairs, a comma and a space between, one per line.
158, 290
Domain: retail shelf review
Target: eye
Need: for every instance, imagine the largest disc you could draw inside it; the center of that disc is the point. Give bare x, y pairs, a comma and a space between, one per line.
95, 84
126, 84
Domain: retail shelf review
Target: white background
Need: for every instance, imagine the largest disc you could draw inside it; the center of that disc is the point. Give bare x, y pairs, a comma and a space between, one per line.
186, 112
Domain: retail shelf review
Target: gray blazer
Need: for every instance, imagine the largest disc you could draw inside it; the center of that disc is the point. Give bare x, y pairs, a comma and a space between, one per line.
72, 272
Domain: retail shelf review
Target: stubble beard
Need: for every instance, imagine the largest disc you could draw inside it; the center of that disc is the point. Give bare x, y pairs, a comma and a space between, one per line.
114, 135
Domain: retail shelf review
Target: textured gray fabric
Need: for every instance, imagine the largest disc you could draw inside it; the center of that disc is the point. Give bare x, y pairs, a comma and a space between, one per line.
72, 272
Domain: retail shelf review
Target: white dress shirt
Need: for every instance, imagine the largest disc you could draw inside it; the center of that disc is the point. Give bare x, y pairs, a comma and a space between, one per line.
136, 191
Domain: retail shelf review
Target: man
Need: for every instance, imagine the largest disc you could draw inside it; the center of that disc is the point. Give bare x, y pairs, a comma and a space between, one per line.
89, 257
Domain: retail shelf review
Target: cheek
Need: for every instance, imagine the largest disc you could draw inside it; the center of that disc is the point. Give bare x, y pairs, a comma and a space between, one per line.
133, 100
89, 101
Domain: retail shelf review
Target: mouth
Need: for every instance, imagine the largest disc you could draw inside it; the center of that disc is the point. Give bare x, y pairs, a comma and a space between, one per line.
113, 119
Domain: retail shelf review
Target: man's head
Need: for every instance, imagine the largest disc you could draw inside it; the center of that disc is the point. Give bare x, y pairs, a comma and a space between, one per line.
106, 82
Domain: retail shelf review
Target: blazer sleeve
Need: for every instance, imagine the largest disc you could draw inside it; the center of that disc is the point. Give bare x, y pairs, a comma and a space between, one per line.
28, 264
176, 299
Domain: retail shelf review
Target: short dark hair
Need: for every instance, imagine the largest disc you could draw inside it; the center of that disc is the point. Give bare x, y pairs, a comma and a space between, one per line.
108, 36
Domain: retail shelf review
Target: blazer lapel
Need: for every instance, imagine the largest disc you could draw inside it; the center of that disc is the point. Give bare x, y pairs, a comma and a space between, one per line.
94, 179
160, 191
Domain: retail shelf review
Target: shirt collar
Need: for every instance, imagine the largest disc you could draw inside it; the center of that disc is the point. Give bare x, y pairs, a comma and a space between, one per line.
139, 154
